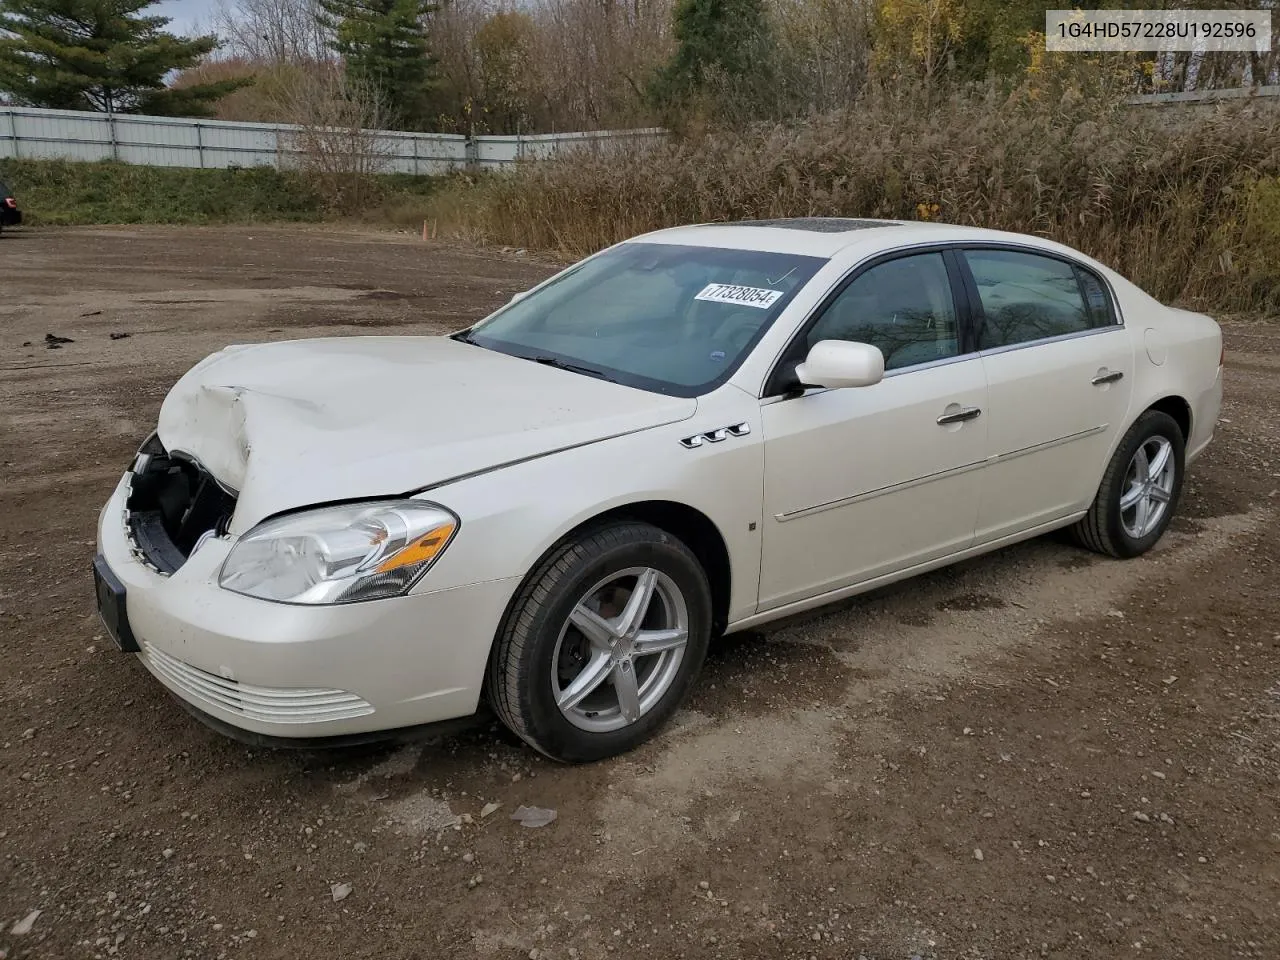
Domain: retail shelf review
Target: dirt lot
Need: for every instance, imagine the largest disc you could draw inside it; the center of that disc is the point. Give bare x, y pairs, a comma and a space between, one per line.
1035, 754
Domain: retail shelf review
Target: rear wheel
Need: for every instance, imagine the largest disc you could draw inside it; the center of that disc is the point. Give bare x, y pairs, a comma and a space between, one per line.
1139, 491
603, 642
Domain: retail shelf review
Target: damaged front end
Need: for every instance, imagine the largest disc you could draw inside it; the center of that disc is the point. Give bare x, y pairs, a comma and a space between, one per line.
173, 505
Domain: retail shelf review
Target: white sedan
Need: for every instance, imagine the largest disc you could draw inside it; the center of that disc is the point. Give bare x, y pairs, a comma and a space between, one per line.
690, 433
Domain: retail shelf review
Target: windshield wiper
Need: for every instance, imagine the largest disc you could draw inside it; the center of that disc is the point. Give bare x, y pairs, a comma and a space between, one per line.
566, 365
463, 336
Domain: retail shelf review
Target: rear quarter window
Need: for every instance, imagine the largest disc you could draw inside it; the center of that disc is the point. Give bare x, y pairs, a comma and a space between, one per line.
1097, 300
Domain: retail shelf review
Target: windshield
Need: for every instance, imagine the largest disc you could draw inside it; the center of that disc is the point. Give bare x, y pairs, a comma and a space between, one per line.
4, 190
672, 319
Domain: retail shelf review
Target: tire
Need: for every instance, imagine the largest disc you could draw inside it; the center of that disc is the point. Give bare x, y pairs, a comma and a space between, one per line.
539, 652
1112, 528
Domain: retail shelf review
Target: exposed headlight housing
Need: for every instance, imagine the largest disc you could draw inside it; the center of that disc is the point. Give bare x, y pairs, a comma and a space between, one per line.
364, 551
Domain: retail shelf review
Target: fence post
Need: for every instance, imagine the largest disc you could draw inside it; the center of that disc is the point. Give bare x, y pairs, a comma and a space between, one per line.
417, 170
111, 132
199, 145
13, 131
472, 153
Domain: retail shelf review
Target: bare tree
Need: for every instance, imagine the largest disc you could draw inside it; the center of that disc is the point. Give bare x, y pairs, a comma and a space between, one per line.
272, 31
823, 51
337, 139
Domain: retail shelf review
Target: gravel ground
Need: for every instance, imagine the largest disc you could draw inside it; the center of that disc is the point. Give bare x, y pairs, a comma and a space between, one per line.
1039, 753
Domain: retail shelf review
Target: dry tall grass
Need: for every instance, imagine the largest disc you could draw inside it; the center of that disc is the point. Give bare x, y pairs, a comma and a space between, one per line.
1188, 208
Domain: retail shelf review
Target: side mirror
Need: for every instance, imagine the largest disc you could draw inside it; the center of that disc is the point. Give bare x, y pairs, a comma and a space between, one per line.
840, 363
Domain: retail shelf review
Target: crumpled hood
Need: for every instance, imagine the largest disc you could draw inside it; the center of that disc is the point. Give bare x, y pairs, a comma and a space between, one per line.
311, 421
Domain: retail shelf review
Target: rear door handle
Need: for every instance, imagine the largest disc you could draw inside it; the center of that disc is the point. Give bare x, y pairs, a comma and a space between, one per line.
1107, 376
959, 416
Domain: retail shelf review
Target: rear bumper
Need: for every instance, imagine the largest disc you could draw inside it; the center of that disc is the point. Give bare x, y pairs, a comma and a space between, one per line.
292, 672
10, 218
1205, 410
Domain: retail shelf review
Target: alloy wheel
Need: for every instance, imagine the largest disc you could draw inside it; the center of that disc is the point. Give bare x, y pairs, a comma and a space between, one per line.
620, 650
1148, 487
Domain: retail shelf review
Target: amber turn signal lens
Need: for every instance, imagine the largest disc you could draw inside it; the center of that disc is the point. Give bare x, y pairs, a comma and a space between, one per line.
423, 549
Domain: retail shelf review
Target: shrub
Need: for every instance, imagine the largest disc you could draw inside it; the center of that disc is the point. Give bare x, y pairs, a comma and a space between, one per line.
65, 191
69, 192
1185, 207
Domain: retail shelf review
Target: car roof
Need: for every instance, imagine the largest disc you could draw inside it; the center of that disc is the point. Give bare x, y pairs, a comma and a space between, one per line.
828, 236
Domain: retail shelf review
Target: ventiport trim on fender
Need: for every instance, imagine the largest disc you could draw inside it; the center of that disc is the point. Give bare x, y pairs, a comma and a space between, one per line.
715, 436
942, 475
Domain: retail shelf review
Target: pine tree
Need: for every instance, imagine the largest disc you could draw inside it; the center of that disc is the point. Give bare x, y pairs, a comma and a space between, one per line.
728, 38
99, 55
383, 44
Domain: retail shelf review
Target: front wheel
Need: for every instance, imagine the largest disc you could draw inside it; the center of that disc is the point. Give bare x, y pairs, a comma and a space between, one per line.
602, 643
1139, 491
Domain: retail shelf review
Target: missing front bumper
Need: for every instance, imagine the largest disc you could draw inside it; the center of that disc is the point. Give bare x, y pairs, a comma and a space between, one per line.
172, 503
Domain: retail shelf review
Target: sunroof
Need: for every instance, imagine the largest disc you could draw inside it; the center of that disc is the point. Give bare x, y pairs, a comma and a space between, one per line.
817, 224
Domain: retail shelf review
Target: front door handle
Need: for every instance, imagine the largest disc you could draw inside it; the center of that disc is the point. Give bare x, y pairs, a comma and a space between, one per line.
1107, 376
959, 416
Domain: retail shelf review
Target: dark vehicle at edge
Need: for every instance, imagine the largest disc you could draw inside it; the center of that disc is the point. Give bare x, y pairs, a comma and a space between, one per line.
10, 215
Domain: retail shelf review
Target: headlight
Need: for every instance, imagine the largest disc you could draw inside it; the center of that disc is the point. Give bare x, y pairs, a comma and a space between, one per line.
339, 554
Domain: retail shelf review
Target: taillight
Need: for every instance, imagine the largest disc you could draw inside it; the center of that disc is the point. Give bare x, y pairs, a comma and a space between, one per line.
10, 202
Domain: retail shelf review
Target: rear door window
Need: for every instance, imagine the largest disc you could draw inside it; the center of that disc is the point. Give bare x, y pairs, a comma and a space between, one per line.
1027, 297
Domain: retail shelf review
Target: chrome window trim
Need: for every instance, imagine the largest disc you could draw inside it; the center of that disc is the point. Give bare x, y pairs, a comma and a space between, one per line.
927, 365
1008, 348
961, 357
1016, 247
960, 246
930, 364
926, 246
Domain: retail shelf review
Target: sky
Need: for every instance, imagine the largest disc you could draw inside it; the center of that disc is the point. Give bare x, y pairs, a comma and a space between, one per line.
187, 15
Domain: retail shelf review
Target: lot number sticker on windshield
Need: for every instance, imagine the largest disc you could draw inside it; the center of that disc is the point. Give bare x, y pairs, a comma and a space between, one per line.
746, 296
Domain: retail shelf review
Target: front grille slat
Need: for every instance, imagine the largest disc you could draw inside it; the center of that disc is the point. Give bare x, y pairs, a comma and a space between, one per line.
273, 704
228, 690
